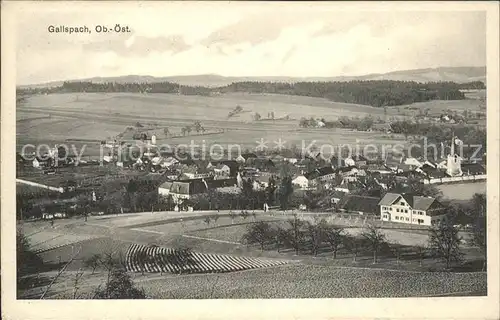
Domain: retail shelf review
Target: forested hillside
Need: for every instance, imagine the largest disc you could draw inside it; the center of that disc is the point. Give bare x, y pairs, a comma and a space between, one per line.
377, 93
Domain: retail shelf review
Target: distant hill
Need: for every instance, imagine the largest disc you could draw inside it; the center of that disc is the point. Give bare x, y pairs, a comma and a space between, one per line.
453, 74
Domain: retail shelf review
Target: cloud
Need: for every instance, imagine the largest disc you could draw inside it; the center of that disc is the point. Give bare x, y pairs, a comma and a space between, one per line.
137, 46
248, 40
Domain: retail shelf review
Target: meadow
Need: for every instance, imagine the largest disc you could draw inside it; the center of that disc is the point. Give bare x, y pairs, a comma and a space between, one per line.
462, 191
100, 116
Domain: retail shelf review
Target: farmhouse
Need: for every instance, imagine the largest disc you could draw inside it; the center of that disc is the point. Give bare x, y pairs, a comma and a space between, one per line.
321, 174
225, 168
301, 181
359, 204
360, 160
473, 169
337, 196
243, 158
261, 182
349, 186
411, 209
351, 172
381, 169
263, 164
184, 190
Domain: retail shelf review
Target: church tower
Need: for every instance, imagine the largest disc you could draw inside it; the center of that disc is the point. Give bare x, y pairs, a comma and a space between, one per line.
453, 165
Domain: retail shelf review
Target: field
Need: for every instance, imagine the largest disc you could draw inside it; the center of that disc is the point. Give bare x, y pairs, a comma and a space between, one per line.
462, 191
303, 276
101, 116
294, 281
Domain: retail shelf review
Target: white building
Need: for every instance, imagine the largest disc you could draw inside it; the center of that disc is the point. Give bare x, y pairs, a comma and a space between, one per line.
411, 209
301, 181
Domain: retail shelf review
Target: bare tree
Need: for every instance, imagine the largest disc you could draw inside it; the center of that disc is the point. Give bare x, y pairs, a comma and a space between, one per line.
207, 220
215, 218
374, 238
232, 215
76, 282
93, 262
59, 274
334, 236
296, 233
260, 233
315, 234
421, 250
444, 242
281, 236
396, 251
244, 214
478, 238
353, 245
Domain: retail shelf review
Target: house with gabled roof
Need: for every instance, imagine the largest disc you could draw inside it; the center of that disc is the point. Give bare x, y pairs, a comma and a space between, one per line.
301, 181
244, 157
411, 209
473, 169
263, 164
361, 205
321, 174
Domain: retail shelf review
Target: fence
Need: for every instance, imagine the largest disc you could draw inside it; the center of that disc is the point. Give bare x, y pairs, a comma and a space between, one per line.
480, 177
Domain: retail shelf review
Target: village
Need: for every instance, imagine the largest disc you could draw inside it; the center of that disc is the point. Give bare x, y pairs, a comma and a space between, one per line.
398, 189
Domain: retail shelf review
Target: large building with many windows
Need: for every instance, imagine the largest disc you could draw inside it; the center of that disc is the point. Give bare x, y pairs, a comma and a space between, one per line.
411, 209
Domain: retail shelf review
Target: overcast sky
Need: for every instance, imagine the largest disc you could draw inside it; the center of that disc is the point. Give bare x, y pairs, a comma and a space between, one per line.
244, 40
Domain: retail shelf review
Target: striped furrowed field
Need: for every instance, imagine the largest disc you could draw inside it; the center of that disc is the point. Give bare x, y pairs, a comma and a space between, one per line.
157, 259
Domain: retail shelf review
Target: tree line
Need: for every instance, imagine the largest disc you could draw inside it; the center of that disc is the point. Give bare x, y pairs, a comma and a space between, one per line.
314, 237
377, 93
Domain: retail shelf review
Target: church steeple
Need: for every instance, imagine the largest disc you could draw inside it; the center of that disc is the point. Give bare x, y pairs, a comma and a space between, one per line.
452, 152
453, 165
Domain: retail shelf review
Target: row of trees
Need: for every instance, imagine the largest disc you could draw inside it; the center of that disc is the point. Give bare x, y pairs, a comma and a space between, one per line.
440, 133
444, 240
377, 93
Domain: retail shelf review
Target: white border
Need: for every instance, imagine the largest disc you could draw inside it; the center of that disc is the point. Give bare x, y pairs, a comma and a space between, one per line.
429, 308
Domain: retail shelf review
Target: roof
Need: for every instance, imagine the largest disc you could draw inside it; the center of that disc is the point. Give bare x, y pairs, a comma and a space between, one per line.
433, 172
249, 155
232, 164
389, 199
265, 178
319, 172
360, 204
221, 183
188, 187
414, 201
338, 194
359, 157
473, 168
166, 185
261, 162
376, 167
325, 170
345, 169
351, 185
